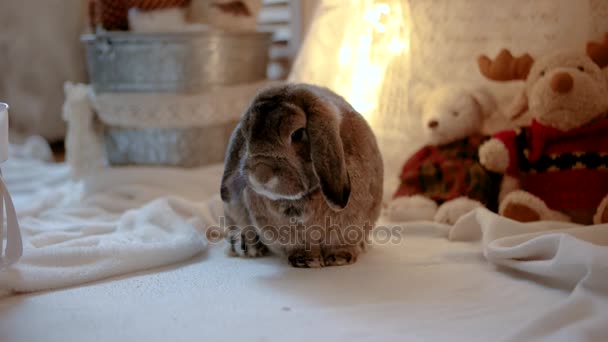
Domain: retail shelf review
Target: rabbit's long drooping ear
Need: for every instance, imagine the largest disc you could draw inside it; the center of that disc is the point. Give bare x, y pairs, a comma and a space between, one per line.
234, 154
326, 148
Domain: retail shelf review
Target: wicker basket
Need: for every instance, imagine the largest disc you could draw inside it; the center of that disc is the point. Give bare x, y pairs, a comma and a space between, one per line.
186, 62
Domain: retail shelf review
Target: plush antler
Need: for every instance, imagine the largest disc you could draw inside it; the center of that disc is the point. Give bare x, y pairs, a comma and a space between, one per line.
505, 67
598, 52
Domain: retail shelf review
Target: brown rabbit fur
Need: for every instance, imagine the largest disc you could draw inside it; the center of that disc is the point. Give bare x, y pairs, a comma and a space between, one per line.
303, 178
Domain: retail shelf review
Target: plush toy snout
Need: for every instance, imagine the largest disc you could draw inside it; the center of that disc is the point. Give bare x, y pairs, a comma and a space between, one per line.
562, 82
433, 124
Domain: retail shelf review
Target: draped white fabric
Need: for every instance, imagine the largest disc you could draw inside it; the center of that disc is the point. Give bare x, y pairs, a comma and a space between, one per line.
558, 255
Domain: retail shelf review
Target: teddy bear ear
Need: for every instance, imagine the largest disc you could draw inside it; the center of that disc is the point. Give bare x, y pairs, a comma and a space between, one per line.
485, 100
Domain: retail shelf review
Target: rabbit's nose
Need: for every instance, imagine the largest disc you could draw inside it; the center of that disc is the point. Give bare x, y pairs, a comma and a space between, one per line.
262, 172
562, 82
433, 124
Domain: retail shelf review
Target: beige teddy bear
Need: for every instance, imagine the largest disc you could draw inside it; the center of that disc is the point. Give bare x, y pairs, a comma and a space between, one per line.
561, 158
444, 180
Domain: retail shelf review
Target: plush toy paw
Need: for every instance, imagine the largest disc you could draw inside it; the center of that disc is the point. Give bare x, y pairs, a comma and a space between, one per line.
601, 215
522, 206
494, 156
411, 208
507, 186
451, 211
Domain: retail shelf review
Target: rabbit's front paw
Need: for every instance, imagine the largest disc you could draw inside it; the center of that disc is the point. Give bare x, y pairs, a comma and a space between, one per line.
305, 259
246, 243
340, 257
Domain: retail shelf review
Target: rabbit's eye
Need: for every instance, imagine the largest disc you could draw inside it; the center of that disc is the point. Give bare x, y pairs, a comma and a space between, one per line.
542, 73
455, 113
298, 135
580, 68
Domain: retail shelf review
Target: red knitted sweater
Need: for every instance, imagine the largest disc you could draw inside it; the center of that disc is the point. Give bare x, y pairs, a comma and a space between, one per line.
568, 170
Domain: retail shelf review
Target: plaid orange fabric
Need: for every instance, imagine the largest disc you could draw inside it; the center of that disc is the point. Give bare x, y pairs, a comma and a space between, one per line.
112, 15
443, 173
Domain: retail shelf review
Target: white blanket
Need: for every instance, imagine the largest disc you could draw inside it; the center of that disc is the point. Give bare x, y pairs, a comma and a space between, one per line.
116, 222
556, 254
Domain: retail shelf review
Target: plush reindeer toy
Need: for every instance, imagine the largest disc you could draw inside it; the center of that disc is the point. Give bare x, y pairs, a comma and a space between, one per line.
561, 158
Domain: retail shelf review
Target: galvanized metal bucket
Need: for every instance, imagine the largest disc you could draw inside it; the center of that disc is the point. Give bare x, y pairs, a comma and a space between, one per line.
183, 147
185, 62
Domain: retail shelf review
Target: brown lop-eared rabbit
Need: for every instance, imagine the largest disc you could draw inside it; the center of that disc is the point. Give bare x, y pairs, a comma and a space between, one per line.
303, 178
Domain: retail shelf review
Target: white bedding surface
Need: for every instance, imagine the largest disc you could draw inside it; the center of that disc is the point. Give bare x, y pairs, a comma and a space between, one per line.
425, 288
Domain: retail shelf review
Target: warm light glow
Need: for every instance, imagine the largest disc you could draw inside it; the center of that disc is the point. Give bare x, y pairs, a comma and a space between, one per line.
368, 78
379, 27
360, 49
366, 42
351, 50
383, 8
396, 46
345, 55
365, 52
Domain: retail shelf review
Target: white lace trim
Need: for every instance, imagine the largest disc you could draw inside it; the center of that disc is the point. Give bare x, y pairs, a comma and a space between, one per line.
168, 110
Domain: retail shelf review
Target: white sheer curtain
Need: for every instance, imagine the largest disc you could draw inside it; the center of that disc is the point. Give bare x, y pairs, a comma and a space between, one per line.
373, 52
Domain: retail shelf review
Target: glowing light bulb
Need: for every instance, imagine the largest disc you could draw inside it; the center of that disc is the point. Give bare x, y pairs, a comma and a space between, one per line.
379, 27
383, 8
396, 46
372, 16
345, 55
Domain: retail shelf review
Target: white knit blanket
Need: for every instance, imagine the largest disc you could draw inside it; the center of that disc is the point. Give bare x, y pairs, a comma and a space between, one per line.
119, 221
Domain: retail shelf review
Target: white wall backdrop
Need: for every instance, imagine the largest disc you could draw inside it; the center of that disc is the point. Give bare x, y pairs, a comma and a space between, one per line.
39, 50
